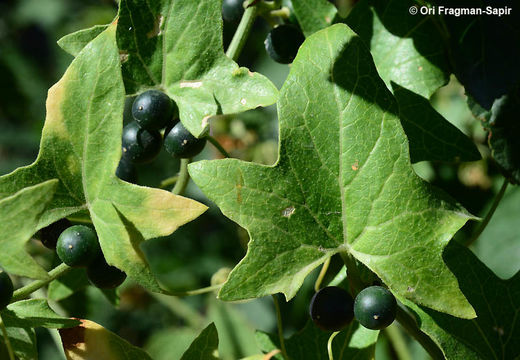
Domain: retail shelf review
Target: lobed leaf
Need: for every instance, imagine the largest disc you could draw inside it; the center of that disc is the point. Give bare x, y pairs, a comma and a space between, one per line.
75, 42
177, 46
495, 333
343, 183
81, 146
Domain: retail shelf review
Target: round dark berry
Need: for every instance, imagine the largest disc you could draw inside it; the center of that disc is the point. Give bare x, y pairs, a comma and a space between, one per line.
282, 43
6, 289
49, 234
140, 145
375, 307
179, 142
232, 10
331, 308
104, 276
78, 246
152, 109
126, 170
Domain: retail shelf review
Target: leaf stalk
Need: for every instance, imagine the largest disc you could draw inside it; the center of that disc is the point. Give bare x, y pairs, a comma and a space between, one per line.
28, 289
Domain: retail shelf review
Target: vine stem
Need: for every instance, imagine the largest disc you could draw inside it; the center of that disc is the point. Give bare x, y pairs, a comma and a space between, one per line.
168, 182
323, 271
6, 340
329, 345
184, 177
280, 327
408, 322
219, 147
490, 213
354, 279
398, 342
243, 29
194, 292
28, 289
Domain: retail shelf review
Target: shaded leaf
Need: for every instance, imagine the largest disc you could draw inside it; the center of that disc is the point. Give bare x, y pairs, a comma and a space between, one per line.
81, 146
34, 313
177, 46
20, 213
204, 346
338, 132
90, 341
353, 342
73, 43
484, 49
170, 344
23, 341
431, 137
495, 333
407, 49
313, 15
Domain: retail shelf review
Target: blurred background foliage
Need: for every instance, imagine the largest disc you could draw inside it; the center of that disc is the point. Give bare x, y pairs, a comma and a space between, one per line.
30, 62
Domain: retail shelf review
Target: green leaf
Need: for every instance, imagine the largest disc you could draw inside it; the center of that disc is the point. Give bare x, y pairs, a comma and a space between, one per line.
20, 213
34, 313
177, 46
409, 55
75, 42
313, 15
92, 341
499, 244
338, 132
171, 343
23, 341
204, 346
353, 342
407, 49
495, 332
81, 146
431, 137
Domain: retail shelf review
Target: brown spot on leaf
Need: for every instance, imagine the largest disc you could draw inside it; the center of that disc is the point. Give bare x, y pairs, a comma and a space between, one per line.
157, 27
355, 166
72, 337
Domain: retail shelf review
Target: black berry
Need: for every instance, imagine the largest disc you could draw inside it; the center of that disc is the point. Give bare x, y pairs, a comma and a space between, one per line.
331, 308
78, 246
375, 307
232, 10
282, 43
6, 289
104, 276
49, 234
152, 109
179, 142
140, 145
126, 170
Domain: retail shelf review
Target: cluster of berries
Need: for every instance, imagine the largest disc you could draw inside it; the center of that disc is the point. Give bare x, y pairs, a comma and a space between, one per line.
332, 308
151, 112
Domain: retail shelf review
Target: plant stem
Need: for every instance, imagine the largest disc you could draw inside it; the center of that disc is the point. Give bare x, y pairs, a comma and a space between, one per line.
168, 182
398, 342
329, 345
183, 179
25, 291
354, 279
490, 213
6, 340
323, 271
240, 37
410, 325
219, 147
280, 327
194, 292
